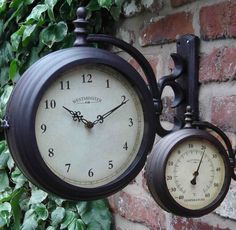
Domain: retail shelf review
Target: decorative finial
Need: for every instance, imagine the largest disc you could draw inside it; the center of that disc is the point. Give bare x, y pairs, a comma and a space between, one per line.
188, 117
81, 27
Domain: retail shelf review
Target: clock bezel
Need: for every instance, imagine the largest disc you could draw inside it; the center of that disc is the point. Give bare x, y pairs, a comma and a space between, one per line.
157, 180
24, 102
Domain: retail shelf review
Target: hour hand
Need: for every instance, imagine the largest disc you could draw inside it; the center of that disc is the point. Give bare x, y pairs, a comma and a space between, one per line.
76, 115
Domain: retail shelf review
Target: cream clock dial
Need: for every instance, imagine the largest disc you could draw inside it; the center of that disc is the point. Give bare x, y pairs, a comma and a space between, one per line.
89, 125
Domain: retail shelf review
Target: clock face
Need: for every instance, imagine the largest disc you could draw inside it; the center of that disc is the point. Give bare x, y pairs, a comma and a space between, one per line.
195, 173
89, 125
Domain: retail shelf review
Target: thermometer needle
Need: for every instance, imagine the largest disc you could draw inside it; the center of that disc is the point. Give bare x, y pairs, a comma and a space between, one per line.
196, 173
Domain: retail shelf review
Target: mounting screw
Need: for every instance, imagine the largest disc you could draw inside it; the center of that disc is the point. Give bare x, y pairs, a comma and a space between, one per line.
4, 124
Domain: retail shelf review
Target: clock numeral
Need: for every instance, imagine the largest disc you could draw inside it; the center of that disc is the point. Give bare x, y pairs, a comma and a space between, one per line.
169, 178
123, 98
43, 128
90, 172
108, 84
181, 197
190, 146
207, 195
214, 155
87, 78
125, 146
173, 189
218, 169
203, 147
170, 163
110, 164
50, 104
131, 123
68, 167
64, 85
51, 152
216, 185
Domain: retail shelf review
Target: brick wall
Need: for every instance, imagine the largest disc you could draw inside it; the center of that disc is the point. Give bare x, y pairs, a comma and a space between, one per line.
152, 26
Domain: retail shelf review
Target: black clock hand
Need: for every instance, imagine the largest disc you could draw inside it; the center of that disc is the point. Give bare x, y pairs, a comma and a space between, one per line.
196, 173
76, 115
100, 118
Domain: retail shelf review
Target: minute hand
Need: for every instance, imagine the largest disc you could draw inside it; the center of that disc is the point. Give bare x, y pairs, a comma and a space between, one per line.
100, 118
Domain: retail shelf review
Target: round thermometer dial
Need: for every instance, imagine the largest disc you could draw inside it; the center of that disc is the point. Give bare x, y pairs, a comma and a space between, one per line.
191, 172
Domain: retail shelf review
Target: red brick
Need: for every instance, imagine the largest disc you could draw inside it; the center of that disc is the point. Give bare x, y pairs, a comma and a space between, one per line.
138, 209
153, 61
167, 29
223, 110
218, 21
177, 3
179, 223
219, 65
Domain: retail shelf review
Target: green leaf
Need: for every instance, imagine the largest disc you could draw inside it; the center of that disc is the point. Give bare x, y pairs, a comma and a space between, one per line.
30, 222
36, 13
3, 4
18, 178
69, 2
16, 38
4, 99
16, 210
78, 224
40, 211
57, 216
37, 196
69, 217
93, 5
29, 29
6, 54
5, 213
94, 213
4, 181
105, 3
13, 70
4, 159
54, 33
50, 228
50, 4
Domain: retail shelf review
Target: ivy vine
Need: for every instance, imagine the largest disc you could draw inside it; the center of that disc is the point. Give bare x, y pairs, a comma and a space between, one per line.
30, 29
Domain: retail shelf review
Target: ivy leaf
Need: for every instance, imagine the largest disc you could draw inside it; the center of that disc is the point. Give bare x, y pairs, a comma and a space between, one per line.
4, 181
18, 178
13, 70
57, 216
5, 213
3, 4
69, 2
77, 224
3, 159
36, 13
16, 210
28, 31
30, 222
54, 33
50, 4
93, 5
69, 217
40, 211
50, 228
37, 196
105, 3
95, 213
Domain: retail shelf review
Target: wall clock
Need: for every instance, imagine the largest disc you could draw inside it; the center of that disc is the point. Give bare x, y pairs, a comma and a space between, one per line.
188, 172
80, 123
